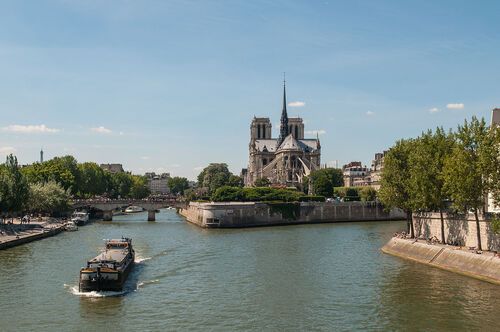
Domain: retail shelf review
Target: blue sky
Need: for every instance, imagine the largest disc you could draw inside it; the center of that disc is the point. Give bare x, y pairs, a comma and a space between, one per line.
173, 85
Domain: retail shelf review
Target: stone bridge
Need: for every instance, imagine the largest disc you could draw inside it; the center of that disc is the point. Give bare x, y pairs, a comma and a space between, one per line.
108, 206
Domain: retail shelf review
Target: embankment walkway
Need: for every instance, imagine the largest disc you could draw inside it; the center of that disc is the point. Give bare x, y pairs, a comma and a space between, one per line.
485, 266
15, 234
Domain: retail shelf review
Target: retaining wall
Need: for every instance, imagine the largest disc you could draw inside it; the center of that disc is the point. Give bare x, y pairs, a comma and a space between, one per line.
248, 214
459, 229
485, 266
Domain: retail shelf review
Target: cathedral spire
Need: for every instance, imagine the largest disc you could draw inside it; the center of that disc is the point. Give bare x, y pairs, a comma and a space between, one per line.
284, 116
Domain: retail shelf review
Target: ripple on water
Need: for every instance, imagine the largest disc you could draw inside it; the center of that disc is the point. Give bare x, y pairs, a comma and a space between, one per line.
75, 291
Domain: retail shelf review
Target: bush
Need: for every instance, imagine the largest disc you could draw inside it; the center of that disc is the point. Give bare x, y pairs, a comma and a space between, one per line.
346, 192
255, 194
351, 198
368, 194
312, 199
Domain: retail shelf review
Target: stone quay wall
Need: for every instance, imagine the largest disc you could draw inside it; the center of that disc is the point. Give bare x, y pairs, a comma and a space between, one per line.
459, 229
485, 266
251, 214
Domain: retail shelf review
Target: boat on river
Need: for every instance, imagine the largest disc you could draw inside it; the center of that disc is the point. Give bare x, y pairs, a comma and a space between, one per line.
109, 270
133, 209
80, 218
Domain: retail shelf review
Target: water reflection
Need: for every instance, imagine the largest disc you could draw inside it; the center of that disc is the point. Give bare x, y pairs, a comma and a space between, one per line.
418, 296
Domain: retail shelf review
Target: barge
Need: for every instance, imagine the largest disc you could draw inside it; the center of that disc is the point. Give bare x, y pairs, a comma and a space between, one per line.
109, 270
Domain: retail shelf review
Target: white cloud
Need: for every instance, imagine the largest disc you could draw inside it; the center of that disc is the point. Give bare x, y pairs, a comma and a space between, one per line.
434, 110
370, 113
314, 132
297, 104
199, 168
455, 106
30, 129
174, 166
7, 149
145, 158
101, 130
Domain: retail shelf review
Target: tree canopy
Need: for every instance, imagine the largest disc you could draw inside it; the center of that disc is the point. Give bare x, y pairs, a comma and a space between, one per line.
177, 185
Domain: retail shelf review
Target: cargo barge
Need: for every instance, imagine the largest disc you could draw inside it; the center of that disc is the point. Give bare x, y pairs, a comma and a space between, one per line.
109, 270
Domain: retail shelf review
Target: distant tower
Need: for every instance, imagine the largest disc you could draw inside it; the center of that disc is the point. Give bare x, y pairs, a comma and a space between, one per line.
41, 156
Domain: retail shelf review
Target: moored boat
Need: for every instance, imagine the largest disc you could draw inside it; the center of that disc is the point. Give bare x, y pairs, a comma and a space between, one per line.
80, 218
109, 270
70, 226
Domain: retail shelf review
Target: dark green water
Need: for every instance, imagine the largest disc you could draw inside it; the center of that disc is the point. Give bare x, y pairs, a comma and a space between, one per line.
329, 277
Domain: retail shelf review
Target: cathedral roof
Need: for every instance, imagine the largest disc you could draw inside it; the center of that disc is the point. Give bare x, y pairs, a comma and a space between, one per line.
290, 143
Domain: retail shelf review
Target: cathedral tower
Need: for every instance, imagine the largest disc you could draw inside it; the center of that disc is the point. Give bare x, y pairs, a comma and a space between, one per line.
284, 119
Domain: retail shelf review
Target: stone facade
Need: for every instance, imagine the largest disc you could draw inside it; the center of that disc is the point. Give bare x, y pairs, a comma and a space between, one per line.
113, 168
458, 229
157, 183
356, 175
250, 214
284, 160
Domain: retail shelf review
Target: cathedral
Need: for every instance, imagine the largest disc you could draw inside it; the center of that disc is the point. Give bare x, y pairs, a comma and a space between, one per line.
284, 160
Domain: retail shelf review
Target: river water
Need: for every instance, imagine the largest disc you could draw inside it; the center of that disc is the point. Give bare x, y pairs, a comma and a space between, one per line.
326, 277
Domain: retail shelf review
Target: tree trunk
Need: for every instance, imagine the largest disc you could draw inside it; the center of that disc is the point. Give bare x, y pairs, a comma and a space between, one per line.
442, 225
478, 231
409, 219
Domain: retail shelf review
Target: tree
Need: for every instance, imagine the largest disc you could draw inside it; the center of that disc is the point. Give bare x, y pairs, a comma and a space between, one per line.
235, 181
48, 197
427, 181
121, 183
262, 182
178, 184
94, 180
214, 176
139, 188
395, 189
466, 175
368, 194
322, 186
333, 174
14, 187
64, 170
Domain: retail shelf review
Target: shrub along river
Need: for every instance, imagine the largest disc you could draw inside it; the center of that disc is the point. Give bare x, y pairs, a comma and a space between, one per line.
295, 278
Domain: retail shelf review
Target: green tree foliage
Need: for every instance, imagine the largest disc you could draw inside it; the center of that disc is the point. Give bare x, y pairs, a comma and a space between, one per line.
322, 186
121, 183
262, 182
13, 186
348, 194
255, 194
94, 180
139, 187
48, 197
214, 176
334, 175
395, 184
63, 170
177, 185
235, 181
427, 163
466, 175
368, 194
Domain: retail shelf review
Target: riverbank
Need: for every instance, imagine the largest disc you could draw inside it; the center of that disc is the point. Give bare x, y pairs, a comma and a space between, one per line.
253, 214
485, 266
14, 234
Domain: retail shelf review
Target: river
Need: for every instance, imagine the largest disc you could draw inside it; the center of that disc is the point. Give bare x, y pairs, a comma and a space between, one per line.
323, 277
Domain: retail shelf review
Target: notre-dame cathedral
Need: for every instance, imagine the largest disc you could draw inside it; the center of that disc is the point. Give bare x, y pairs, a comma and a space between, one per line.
284, 160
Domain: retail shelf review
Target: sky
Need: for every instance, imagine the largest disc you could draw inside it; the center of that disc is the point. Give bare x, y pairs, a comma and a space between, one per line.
171, 86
